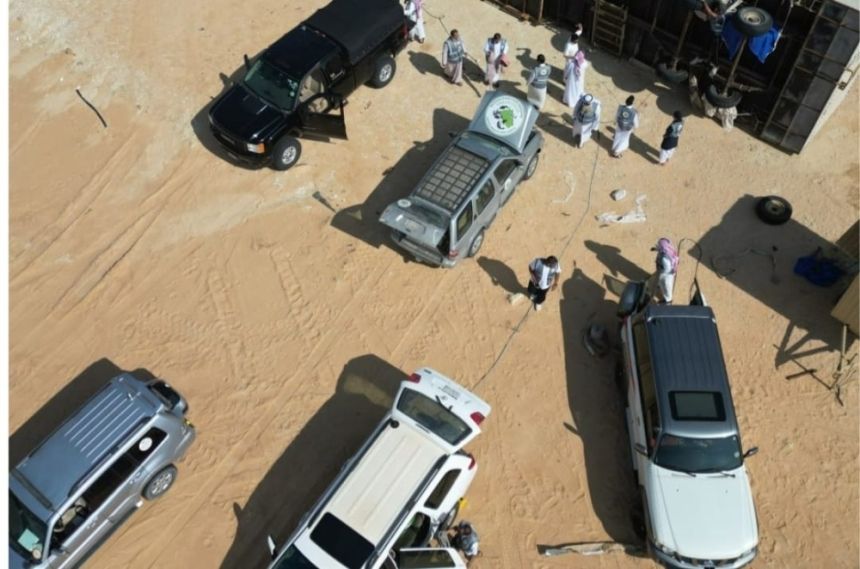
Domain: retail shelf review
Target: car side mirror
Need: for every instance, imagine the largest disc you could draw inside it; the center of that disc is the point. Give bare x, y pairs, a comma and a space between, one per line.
750, 452
247, 62
640, 448
270, 543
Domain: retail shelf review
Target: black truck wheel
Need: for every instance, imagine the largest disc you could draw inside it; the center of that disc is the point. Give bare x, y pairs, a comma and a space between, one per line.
753, 22
532, 167
383, 72
286, 153
716, 98
773, 210
665, 71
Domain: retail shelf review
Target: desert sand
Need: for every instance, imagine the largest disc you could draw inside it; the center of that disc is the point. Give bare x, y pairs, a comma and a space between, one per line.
288, 325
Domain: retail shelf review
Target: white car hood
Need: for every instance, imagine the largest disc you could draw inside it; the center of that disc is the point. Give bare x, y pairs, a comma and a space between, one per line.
709, 516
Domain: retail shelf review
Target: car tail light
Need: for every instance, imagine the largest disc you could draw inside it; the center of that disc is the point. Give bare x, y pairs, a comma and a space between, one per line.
452, 254
415, 378
472, 462
477, 417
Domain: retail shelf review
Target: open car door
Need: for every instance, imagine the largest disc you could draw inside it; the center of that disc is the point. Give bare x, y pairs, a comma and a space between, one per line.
324, 123
428, 558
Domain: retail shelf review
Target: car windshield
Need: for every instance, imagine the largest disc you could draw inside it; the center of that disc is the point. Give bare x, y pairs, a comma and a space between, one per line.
272, 85
26, 531
698, 455
342, 542
293, 559
432, 415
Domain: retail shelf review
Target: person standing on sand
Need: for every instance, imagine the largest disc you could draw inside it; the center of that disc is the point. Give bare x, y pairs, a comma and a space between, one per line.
453, 52
543, 277
586, 119
670, 138
414, 11
626, 120
496, 54
538, 82
667, 266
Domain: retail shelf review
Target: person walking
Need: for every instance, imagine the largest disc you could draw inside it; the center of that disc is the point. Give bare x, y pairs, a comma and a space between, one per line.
537, 83
574, 79
414, 11
453, 53
670, 138
543, 277
626, 120
586, 119
667, 266
466, 540
496, 54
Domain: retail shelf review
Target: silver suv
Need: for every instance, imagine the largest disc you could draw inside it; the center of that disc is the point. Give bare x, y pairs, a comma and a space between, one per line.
444, 218
82, 482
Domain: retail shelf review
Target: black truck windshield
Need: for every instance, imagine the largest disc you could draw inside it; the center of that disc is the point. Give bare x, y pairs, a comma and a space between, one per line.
272, 85
26, 531
687, 454
293, 559
432, 415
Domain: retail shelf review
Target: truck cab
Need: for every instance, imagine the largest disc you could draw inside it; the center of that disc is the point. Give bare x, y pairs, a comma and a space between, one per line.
298, 87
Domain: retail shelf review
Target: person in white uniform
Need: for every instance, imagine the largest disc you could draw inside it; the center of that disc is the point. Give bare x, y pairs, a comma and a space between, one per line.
586, 119
496, 54
453, 53
626, 120
574, 79
538, 80
543, 277
414, 11
667, 266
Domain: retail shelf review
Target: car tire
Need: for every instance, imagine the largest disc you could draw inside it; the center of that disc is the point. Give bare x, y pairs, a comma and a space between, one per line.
159, 484
531, 168
286, 153
773, 210
753, 22
476, 244
716, 98
665, 71
383, 72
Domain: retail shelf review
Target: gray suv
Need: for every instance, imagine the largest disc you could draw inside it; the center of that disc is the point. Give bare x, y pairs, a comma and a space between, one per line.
684, 437
445, 217
82, 482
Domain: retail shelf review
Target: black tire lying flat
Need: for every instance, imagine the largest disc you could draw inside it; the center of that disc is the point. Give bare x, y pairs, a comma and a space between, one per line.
159, 484
716, 98
773, 210
753, 22
664, 71
286, 153
383, 72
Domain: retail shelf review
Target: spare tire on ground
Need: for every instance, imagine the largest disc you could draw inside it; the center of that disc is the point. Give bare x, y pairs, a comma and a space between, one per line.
773, 210
665, 71
753, 22
716, 98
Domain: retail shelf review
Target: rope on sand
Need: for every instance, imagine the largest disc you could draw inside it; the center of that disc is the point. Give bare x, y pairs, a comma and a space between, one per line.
90, 105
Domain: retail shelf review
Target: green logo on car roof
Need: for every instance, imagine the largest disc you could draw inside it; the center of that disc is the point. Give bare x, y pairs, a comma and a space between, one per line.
504, 115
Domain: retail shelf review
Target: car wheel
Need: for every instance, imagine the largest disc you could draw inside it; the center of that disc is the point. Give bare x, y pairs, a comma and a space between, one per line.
716, 98
773, 210
384, 71
753, 22
451, 517
286, 153
665, 71
476, 243
159, 484
532, 167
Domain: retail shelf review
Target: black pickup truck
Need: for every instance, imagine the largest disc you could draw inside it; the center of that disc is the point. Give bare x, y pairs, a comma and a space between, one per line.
299, 85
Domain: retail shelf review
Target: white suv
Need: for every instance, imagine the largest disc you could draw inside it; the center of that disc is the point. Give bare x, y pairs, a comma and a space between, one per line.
402, 487
684, 438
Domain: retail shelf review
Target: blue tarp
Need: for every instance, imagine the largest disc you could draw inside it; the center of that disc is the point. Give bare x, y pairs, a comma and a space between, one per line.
762, 46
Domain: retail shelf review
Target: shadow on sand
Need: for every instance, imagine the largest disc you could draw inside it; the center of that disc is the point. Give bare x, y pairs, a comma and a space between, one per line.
365, 391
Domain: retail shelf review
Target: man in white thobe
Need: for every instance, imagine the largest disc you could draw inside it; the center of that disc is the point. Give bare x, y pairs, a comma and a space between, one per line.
538, 82
626, 120
414, 11
495, 52
574, 79
453, 53
586, 118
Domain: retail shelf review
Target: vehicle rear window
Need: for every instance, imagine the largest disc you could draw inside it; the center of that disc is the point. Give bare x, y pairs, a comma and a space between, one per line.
432, 415
697, 406
341, 542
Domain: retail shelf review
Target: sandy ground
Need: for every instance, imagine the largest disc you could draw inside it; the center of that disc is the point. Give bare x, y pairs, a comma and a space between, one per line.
286, 325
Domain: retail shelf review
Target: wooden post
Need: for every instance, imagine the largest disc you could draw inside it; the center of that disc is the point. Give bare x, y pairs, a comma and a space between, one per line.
540, 12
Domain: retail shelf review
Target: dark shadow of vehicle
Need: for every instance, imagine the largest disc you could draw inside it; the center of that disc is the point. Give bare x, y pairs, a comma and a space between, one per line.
200, 122
501, 275
365, 392
597, 409
759, 259
617, 263
362, 220
68, 400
